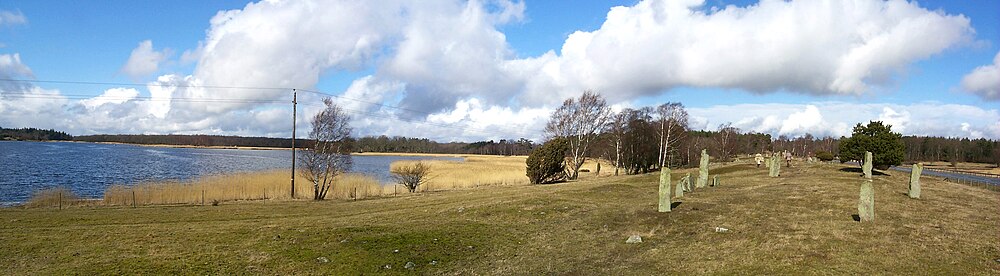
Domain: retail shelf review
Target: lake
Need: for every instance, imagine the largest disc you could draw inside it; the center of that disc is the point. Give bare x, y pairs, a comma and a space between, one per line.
88, 168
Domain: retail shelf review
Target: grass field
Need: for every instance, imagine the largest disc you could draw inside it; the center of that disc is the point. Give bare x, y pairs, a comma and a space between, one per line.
800, 223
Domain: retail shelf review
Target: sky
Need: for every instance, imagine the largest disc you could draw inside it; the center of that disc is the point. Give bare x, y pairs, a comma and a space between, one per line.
479, 70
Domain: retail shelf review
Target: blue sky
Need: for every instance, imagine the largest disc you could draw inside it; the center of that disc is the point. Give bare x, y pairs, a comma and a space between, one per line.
83, 41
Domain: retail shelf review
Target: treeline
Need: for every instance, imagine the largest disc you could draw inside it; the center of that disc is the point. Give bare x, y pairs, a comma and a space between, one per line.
398, 144
33, 134
951, 149
196, 140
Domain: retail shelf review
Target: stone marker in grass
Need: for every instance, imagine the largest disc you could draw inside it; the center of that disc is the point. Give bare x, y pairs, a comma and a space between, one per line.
715, 181
679, 191
774, 169
866, 200
687, 182
664, 190
867, 166
702, 170
918, 168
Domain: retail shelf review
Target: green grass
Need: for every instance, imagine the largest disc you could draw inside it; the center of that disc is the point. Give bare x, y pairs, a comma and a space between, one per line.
799, 223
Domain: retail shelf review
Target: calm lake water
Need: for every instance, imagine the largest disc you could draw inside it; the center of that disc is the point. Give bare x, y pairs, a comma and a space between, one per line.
88, 168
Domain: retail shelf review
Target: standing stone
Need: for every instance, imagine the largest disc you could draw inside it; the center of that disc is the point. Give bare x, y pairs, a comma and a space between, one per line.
918, 168
703, 170
679, 192
867, 166
866, 202
775, 168
597, 172
715, 181
664, 190
687, 182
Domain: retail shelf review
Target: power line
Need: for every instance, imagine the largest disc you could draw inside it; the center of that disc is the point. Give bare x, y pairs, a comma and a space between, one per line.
453, 125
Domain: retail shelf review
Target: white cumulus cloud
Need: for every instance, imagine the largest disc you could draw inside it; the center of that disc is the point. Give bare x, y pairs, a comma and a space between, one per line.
11, 18
144, 60
984, 81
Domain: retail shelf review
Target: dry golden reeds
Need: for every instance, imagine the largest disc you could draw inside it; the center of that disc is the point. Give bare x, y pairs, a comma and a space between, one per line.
268, 185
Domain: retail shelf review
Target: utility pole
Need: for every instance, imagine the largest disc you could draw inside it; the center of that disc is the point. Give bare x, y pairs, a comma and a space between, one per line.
295, 97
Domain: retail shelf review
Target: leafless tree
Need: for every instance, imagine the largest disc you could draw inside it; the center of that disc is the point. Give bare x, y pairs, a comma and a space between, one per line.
673, 120
579, 121
727, 139
411, 176
330, 153
618, 127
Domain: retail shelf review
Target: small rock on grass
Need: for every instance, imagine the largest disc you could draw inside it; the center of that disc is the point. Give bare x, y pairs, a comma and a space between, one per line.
634, 239
409, 265
322, 260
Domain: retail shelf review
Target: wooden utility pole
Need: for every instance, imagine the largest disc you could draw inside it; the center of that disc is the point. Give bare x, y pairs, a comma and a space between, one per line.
295, 96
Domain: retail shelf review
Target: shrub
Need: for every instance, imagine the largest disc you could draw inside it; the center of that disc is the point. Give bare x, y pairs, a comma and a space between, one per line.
546, 164
824, 156
411, 176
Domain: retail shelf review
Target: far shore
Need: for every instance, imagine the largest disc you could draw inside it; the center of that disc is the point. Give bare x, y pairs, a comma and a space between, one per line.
459, 155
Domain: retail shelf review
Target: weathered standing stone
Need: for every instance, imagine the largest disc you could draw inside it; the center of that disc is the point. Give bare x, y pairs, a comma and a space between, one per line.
715, 181
867, 166
775, 166
918, 168
664, 190
866, 202
679, 191
702, 170
597, 172
687, 182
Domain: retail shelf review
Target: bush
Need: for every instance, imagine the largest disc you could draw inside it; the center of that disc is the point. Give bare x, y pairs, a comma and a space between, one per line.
824, 156
546, 164
411, 176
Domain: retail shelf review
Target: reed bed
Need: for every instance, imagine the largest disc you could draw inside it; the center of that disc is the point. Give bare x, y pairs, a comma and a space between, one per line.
475, 171
53, 197
267, 185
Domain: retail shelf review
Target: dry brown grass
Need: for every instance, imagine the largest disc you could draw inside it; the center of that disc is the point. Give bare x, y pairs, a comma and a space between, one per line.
797, 224
267, 185
475, 171
53, 197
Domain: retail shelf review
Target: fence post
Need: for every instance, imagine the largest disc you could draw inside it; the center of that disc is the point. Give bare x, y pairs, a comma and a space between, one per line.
202, 197
133, 198
60, 200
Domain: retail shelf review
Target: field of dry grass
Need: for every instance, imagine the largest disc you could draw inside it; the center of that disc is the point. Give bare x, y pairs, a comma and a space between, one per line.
964, 167
799, 223
268, 185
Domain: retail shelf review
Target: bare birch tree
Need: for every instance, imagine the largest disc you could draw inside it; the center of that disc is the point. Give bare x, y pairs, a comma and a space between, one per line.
673, 120
330, 154
618, 127
727, 139
579, 121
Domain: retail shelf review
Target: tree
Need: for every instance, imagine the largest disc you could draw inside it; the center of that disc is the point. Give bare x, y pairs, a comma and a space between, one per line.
329, 155
579, 121
673, 120
617, 128
411, 176
545, 163
886, 146
727, 139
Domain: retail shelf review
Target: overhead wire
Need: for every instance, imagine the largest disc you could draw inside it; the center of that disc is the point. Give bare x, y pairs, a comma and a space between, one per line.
454, 125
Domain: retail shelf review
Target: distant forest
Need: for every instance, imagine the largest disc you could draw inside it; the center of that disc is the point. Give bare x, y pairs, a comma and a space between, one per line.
33, 134
685, 153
